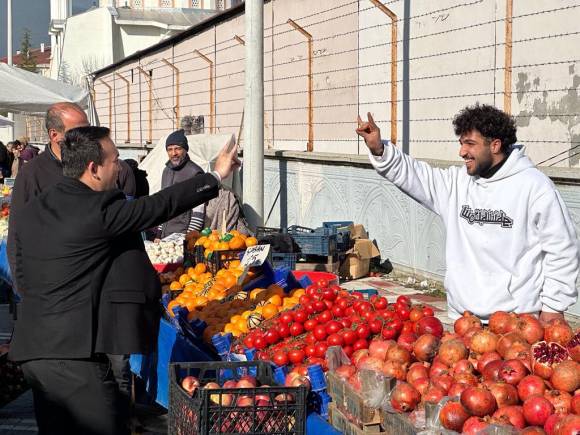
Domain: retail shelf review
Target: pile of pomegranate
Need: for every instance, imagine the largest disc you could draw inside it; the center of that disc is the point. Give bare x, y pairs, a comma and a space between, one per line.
513, 372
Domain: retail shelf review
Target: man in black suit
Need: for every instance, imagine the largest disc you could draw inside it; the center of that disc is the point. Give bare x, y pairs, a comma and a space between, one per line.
75, 230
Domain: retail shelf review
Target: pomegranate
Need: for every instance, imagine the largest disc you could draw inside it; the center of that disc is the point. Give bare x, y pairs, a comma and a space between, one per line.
558, 331
474, 425
566, 376
399, 354
406, 340
190, 384
466, 322
513, 415
533, 430
357, 355
404, 397
530, 328
429, 325
451, 352
355, 382
453, 415
575, 404
421, 385
416, 371
545, 356
443, 381
378, 348
469, 335
449, 336
504, 394
433, 394
465, 378
484, 341
551, 423
345, 371
491, 370
456, 390
478, 401
370, 363
486, 358
394, 369
506, 341
463, 366
438, 368
569, 425
426, 347
560, 400
529, 386
537, 409
499, 321
574, 347
513, 371
517, 350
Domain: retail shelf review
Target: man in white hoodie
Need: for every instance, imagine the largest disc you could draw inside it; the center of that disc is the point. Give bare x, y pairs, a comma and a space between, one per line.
511, 244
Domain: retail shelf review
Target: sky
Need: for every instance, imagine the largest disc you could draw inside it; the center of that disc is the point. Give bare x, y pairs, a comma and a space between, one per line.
34, 15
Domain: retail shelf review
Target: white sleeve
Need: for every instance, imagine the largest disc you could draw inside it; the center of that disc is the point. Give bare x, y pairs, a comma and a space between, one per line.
561, 254
429, 186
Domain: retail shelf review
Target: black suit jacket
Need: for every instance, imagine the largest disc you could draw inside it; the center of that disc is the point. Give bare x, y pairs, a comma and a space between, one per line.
65, 241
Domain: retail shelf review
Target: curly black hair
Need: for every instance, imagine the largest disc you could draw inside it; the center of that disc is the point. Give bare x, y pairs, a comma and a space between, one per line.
489, 121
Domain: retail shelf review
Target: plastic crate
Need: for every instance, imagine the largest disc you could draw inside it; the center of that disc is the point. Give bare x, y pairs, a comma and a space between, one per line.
280, 259
198, 414
321, 241
342, 234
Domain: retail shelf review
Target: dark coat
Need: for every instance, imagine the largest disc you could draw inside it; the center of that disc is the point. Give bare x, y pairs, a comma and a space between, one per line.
65, 241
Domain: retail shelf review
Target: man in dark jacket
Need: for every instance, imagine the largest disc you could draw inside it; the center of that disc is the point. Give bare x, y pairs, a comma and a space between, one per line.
66, 240
178, 168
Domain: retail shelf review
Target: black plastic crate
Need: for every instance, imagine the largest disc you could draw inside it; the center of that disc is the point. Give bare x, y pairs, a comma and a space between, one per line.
342, 231
198, 414
280, 259
217, 260
320, 241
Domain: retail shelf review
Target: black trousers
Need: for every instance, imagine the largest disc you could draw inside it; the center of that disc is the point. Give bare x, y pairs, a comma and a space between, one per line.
75, 397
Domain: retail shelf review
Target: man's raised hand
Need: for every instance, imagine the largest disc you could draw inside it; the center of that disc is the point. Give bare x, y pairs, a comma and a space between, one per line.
371, 133
227, 160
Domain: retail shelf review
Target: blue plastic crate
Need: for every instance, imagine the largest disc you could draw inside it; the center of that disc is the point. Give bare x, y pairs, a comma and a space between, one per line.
320, 241
280, 259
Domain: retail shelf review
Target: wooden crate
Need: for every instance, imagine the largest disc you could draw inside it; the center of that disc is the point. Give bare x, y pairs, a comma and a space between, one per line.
397, 424
340, 422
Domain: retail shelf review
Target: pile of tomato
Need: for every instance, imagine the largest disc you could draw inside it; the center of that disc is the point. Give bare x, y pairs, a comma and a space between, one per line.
328, 316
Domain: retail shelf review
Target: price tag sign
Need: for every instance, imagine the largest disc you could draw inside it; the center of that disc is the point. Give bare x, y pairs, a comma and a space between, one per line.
255, 256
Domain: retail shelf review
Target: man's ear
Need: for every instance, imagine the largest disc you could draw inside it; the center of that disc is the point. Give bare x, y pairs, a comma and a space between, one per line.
496, 146
92, 168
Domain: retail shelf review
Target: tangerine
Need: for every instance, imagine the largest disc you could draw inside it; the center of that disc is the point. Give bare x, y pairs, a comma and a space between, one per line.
251, 241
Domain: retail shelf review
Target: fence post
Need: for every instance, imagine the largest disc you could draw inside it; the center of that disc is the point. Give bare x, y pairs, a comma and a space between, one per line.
149, 81
211, 91
110, 101
507, 99
128, 85
241, 129
176, 108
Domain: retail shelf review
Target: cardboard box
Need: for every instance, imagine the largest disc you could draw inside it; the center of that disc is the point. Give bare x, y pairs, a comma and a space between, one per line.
357, 261
357, 231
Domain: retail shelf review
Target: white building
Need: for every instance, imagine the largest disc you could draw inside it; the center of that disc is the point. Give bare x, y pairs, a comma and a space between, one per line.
116, 29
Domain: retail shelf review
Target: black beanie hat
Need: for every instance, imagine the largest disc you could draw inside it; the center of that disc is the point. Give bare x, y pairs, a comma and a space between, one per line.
177, 138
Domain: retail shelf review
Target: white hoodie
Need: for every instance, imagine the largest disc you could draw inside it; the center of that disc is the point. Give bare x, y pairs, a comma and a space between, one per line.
511, 244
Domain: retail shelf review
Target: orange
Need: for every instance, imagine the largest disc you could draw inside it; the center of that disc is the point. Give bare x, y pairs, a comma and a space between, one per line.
201, 300
175, 285
298, 292
201, 240
190, 271
237, 243
223, 246
254, 294
269, 311
200, 268
242, 325
275, 300
234, 264
251, 241
230, 280
171, 305
184, 279
190, 305
246, 314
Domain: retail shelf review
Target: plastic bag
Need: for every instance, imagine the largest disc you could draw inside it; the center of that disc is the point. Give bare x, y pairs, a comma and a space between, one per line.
335, 357
376, 388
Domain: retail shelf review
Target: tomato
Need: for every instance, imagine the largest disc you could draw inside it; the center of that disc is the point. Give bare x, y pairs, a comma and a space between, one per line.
363, 331
335, 340
310, 339
310, 324
300, 369
349, 311
312, 291
321, 348
309, 307
361, 343
416, 313
403, 311
329, 294
280, 358
349, 336
319, 306
322, 283
404, 300
262, 355
283, 330
388, 332
375, 326
380, 303
368, 315
333, 327
286, 318
329, 304
272, 336
428, 311
348, 350
357, 295
343, 303
296, 356
260, 342
304, 299
249, 341
337, 311
319, 332
325, 316
300, 316
345, 322
310, 350
296, 329
397, 324
408, 327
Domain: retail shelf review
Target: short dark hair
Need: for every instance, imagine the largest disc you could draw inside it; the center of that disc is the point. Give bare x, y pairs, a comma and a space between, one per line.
489, 121
81, 146
54, 114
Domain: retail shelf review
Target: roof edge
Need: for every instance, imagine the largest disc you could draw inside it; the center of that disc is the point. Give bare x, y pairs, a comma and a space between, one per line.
192, 31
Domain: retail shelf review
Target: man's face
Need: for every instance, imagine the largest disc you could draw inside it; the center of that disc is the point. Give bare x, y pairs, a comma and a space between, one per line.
70, 119
109, 171
475, 150
176, 154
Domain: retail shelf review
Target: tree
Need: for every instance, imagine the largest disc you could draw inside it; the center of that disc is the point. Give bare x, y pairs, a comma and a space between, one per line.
27, 62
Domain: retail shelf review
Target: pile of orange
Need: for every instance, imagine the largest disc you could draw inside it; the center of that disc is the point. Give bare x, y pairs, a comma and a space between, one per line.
233, 240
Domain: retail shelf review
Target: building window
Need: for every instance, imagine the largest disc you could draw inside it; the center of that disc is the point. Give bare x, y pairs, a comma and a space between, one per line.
219, 5
195, 3
137, 4
165, 3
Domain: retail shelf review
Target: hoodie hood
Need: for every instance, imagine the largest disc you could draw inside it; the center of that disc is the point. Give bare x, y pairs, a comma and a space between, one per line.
516, 162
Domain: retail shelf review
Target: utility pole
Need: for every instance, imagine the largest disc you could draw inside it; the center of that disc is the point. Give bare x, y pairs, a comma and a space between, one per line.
254, 112
9, 52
